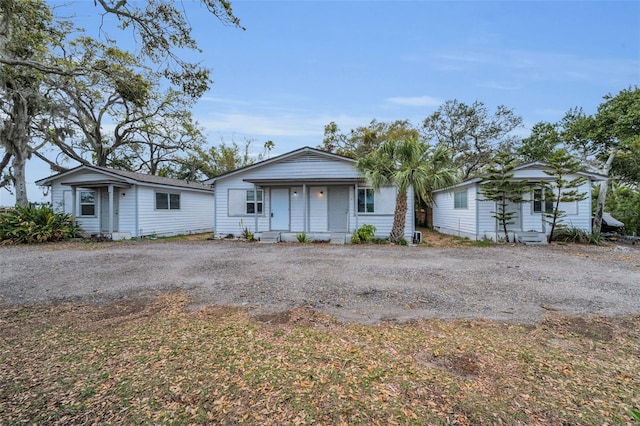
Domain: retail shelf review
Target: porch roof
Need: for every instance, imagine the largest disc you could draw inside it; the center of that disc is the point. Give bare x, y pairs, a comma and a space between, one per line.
307, 181
98, 183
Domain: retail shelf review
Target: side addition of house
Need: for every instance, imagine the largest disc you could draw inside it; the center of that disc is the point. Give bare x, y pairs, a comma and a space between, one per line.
121, 204
460, 210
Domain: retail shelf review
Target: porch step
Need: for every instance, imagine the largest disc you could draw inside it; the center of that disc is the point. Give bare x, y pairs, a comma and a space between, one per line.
531, 238
338, 238
270, 237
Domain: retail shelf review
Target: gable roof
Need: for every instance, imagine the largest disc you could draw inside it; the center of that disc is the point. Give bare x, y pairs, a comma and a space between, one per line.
539, 165
128, 177
282, 157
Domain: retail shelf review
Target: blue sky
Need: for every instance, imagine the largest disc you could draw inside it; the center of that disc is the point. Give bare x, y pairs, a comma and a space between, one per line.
302, 64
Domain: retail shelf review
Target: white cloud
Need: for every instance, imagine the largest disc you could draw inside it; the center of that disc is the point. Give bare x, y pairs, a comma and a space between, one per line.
417, 101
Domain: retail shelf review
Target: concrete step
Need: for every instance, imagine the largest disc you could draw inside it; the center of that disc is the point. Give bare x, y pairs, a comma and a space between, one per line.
531, 238
270, 237
338, 238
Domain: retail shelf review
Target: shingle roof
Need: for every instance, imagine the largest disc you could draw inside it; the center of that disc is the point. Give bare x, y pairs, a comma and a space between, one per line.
137, 177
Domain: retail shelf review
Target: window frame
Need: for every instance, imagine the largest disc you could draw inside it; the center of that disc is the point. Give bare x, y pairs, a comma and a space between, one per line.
175, 205
258, 203
457, 200
82, 204
365, 204
539, 198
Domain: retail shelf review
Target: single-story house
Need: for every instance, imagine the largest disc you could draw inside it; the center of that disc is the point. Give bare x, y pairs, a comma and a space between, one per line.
460, 209
121, 204
305, 190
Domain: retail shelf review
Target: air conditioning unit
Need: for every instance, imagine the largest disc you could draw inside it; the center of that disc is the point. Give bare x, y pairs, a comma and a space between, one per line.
417, 237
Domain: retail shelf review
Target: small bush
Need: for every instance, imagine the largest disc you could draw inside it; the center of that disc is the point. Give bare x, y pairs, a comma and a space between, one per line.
577, 235
247, 235
364, 234
302, 237
28, 225
402, 242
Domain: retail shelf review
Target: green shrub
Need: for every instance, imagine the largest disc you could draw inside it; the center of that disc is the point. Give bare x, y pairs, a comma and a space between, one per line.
303, 238
364, 234
28, 225
402, 242
571, 234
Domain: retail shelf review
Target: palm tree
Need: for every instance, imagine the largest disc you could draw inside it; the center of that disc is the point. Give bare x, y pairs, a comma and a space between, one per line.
405, 164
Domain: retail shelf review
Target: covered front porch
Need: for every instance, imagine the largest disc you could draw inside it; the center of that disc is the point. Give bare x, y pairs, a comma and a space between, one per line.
95, 205
321, 208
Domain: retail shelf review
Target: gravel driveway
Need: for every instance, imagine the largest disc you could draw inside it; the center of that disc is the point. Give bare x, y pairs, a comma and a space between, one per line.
355, 283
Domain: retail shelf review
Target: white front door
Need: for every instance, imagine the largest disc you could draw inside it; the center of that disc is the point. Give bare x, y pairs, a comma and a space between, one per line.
280, 209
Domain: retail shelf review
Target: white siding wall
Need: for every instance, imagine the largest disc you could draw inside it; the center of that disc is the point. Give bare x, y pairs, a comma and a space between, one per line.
195, 214
462, 222
449, 220
225, 224
307, 167
62, 202
127, 211
578, 214
296, 203
304, 166
318, 209
382, 219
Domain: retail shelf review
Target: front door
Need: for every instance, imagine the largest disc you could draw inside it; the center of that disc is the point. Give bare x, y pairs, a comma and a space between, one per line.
280, 209
104, 210
338, 209
516, 220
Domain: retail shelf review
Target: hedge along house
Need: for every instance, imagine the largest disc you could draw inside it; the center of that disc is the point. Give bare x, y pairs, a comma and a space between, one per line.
306, 190
120, 204
460, 209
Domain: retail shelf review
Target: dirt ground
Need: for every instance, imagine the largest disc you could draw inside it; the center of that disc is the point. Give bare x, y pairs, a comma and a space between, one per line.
443, 278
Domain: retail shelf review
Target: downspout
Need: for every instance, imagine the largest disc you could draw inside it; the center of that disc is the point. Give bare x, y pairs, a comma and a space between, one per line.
255, 206
355, 202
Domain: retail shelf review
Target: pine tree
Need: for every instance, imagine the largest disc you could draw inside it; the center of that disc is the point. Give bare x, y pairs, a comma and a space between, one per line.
500, 187
561, 189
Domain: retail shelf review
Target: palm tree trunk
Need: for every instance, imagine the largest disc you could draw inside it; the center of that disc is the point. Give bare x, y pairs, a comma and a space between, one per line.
399, 217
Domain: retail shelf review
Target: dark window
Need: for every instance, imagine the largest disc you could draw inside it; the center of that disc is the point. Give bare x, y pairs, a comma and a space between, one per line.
366, 200
252, 202
460, 200
166, 201
539, 202
174, 201
87, 203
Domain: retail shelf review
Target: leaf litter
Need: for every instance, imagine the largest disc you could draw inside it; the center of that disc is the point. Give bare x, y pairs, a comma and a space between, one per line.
157, 361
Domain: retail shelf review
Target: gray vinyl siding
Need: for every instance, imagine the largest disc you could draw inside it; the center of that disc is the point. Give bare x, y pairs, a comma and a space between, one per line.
449, 220
304, 166
226, 224
194, 216
477, 222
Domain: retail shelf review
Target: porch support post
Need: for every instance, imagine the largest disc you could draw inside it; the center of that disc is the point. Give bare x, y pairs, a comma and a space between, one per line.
110, 208
355, 201
255, 206
74, 204
305, 222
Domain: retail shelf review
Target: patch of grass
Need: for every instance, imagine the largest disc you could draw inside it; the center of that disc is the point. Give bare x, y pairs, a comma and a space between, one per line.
163, 363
